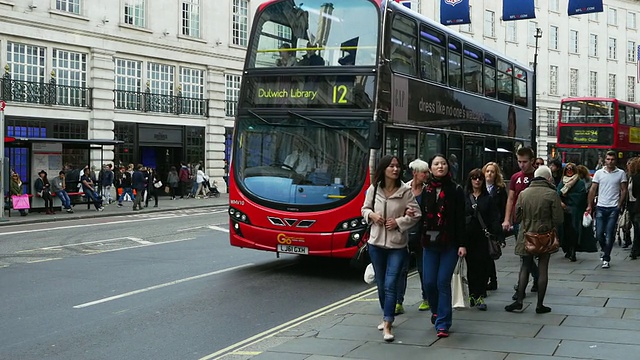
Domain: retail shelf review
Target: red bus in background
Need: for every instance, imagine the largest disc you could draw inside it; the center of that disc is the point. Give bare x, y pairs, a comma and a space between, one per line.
589, 127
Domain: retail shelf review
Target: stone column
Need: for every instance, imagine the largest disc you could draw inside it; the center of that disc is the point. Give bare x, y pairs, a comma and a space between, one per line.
102, 75
214, 132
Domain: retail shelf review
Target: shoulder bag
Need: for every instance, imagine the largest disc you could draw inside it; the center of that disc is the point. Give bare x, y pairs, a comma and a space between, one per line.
541, 242
495, 250
361, 258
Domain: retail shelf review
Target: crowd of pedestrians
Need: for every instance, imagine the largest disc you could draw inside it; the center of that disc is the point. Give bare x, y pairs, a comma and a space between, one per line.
437, 222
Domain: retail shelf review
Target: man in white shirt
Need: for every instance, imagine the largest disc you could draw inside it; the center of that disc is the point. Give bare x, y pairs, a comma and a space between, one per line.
300, 160
610, 184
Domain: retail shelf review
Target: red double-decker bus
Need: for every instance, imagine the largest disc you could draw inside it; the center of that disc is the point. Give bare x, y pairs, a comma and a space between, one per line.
328, 87
589, 127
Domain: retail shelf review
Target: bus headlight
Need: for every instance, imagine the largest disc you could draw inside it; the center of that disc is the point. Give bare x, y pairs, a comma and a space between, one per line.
237, 215
351, 224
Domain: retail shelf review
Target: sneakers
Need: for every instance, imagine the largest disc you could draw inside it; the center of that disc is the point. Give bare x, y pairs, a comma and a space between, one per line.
101, 208
442, 333
605, 264
480, 304
399, 309
424, 306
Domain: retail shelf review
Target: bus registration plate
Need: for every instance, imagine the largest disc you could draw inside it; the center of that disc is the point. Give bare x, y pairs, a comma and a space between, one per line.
291, 249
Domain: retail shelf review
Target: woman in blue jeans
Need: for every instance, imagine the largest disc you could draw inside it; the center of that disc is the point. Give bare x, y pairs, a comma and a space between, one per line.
444, 240
391, 209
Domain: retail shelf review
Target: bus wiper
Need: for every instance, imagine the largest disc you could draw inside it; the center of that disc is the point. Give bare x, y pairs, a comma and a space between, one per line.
314, 121
260, 118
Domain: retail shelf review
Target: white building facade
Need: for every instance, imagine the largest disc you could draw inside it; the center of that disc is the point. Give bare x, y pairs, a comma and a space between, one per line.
586, 55
162, 76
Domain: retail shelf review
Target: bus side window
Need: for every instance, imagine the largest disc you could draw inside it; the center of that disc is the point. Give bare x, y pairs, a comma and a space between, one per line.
432, 55
505, 81
455, 63
490, 76
403, 45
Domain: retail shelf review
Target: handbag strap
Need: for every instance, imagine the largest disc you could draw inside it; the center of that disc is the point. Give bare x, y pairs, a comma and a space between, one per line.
474, 205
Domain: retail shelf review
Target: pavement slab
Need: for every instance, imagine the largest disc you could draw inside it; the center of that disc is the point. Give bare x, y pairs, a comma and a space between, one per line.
604, 323
597, 350
379, 351
616, 294
318, 346
590, 334
505, 344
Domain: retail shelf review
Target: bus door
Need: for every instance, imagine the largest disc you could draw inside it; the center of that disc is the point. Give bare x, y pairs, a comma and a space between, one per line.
404, 145
474, 154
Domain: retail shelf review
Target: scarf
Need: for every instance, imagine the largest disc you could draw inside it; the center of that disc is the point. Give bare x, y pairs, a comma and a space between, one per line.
568, 182
436, 205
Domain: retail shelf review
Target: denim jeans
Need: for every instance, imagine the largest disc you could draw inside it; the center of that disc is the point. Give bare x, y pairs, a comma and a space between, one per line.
402, 280
387, 264
606, 222
64, 198
125, 191
438, 266
97, 200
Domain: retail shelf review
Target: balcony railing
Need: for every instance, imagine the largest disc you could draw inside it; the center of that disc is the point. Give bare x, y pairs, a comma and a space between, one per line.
43, 93
169, 104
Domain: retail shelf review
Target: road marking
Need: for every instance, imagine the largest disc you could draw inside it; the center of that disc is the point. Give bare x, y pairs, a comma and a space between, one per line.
155, 287
241, 345
140, 241
217, 228
60, 247
42, 260
190, 229
62, 227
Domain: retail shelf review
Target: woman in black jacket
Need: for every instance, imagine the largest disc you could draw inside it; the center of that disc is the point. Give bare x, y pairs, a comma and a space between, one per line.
479, 204
498, 190
444, 240
43, 190
152, 190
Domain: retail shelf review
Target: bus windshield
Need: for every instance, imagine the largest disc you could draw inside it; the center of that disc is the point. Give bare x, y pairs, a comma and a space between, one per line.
587, 112
315, 33
299, 160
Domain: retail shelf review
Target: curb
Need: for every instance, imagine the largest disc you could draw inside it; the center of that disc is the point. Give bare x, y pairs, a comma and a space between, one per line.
97, 214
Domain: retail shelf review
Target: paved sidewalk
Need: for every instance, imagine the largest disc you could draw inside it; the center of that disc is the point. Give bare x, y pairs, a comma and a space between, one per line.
80, 211
595, 315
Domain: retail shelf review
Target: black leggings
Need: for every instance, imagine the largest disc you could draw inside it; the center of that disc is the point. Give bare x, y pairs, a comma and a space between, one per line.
48, 200
528, 263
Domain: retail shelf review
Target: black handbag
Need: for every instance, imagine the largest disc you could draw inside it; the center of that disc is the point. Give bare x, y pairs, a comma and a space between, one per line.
495, 248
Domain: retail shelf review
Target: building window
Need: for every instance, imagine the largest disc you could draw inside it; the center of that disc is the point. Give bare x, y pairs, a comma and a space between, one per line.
512, 32
134, 13
553, 37
553, 80
192, 82
612, 17
489, 23
72, 6
240, 22
573, 82
631, 20
631, 88
26, 62
160, 78
573, 42
531, 39
593, 45
70, 69
125, 153
593, 83
612, 54
593, 16
191, 18
128, 84
195, 144
552, 122
612, 85
553, 5
631, 51
467, 27
232, 93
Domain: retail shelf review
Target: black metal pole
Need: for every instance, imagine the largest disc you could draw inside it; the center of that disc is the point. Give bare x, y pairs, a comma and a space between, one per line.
534, 105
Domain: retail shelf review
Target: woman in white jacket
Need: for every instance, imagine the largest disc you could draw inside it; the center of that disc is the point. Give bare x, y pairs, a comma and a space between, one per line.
391, 209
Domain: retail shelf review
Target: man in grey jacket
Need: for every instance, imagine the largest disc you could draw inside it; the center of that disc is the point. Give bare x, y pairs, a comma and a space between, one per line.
58, 188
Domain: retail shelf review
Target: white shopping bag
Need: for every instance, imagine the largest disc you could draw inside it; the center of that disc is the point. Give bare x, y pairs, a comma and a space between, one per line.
369, 274
586, 219
460, 286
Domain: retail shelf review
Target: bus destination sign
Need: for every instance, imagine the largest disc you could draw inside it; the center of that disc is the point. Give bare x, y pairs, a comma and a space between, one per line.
310, 91
585, 136
581, 135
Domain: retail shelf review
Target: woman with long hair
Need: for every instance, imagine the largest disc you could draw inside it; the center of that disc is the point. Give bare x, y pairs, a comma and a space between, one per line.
391, 209
496, 187
173, 181
444, 240
15, 188
573, 194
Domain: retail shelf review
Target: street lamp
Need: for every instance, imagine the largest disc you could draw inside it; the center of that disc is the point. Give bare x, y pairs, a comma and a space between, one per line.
534, 112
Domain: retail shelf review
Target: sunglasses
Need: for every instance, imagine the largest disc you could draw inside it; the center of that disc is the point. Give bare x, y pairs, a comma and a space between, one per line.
477, 178
570, 169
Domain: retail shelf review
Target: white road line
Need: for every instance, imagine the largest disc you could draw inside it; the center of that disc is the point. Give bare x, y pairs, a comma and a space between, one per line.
137, 246
62, 227
190, 229
140, 241
217, 228
160, 286
59, 247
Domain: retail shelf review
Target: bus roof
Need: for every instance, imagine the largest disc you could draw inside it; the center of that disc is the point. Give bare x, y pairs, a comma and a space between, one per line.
403, 9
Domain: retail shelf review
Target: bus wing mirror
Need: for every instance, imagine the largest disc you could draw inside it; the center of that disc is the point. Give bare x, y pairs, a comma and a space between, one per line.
375, 135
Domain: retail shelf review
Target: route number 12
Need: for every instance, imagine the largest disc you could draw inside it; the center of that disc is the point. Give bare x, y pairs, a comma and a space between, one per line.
340, 94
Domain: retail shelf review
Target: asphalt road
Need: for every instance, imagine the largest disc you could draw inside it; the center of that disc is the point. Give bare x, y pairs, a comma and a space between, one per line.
149, 286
